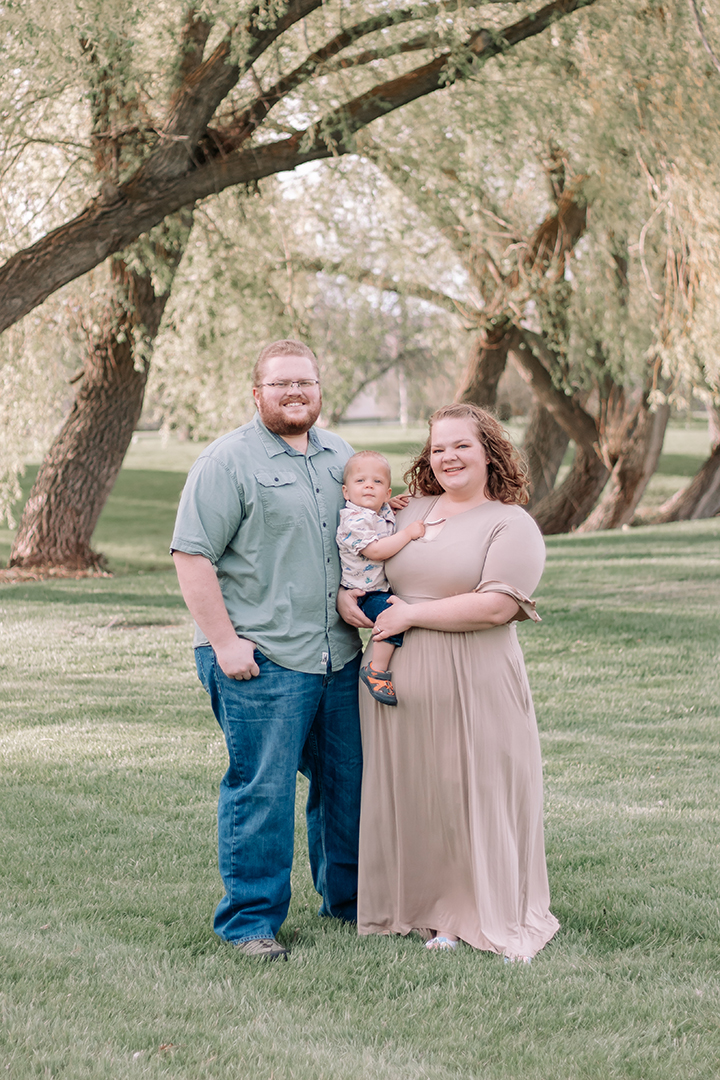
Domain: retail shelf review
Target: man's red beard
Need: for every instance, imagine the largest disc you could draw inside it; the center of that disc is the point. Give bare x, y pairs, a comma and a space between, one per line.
276, 419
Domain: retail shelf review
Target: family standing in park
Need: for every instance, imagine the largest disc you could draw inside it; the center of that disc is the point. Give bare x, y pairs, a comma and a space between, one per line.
440, 831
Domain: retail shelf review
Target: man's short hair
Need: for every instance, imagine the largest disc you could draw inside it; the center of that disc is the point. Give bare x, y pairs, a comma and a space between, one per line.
351, 462
284, 347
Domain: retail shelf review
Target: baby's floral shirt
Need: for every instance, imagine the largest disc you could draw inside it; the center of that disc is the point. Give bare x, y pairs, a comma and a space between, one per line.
359, 527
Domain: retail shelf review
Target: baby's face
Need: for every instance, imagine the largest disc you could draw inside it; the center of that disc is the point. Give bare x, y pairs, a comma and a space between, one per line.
368, 485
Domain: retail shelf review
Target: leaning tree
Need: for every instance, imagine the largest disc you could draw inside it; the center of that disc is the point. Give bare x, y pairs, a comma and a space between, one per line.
164, 113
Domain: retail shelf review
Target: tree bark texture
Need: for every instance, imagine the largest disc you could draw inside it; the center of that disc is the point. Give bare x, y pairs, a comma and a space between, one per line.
569, 504
566, 507
189, 163
544, 449
533, 361
700, 499
82, 465
637, 460
488, 357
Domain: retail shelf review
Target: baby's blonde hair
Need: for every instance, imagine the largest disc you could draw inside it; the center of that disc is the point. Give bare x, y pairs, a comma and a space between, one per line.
366, 454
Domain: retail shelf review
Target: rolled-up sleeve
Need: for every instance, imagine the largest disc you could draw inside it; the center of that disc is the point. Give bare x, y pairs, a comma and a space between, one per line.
514, 563
210, 512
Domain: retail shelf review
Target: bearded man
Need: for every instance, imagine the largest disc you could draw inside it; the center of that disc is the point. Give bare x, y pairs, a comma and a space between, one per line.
254, 547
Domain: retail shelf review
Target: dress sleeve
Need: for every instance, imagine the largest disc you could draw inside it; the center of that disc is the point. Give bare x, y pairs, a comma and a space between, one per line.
514, 563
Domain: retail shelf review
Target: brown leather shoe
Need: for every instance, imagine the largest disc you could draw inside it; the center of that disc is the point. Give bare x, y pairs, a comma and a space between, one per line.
264, 948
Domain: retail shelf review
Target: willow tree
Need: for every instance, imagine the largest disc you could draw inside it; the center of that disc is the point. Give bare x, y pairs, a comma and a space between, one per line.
608, 340
166, 107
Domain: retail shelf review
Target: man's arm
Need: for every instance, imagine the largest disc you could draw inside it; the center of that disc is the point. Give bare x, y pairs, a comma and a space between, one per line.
201, 592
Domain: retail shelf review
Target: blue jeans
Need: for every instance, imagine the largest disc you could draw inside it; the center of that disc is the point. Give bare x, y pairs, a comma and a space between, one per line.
274, 725
372, 603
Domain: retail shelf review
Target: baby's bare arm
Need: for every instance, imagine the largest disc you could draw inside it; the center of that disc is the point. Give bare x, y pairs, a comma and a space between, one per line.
383, 549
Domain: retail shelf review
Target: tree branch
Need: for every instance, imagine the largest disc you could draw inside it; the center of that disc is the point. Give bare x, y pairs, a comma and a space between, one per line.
251, 117
384, 284
33, 274
416, 44
699, 27
205, 86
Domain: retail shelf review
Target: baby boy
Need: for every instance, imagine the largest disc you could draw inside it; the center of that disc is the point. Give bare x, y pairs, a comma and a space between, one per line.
366, 537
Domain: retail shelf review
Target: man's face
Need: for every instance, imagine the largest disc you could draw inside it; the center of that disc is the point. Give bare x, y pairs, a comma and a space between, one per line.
289, 410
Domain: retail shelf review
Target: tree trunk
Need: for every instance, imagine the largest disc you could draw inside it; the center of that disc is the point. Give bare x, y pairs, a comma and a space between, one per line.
568, 505
488, 357
83, 462
544, 449
713, 412
82, 465
700, 499
637, 461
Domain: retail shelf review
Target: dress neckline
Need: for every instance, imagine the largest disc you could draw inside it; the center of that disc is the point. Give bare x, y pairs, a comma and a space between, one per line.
437, 530
434, 503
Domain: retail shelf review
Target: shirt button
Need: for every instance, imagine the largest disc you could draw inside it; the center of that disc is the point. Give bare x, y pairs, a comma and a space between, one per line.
318, 490
324, 526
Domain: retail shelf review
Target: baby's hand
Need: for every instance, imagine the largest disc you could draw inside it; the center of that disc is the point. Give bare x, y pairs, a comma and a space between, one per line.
416, 529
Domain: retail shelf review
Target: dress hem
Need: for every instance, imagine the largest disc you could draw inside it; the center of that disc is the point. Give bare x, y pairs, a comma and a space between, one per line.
404, 931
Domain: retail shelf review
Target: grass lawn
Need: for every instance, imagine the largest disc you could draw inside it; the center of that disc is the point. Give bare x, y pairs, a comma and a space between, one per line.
110, 766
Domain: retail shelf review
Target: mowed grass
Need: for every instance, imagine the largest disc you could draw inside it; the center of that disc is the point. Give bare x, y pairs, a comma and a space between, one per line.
110, 766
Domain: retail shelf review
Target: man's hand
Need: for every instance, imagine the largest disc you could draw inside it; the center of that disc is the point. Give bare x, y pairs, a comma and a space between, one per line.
236, 659
201, 592
348, 609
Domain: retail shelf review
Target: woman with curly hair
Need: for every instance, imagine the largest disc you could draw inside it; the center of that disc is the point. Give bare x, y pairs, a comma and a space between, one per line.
451, 833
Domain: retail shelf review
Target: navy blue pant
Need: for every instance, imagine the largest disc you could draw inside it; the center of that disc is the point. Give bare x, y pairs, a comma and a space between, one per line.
372, 603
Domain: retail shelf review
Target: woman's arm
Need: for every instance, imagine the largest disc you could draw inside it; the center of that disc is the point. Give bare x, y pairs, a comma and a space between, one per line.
466, 612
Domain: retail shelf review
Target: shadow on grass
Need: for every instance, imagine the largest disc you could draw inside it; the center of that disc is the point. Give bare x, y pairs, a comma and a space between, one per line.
41, 592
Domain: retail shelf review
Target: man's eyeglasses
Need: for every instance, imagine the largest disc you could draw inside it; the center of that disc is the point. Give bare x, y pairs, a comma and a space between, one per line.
302, 384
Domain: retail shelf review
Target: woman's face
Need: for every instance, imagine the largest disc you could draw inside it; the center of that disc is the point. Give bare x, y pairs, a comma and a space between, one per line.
457, 457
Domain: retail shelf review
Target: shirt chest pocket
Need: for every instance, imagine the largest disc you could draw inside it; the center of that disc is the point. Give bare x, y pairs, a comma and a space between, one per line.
281, 499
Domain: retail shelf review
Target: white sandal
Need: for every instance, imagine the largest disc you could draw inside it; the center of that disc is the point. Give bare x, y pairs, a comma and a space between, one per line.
445, 944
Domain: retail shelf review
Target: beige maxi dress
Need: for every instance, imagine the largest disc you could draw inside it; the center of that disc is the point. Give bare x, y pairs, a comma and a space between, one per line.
451, 829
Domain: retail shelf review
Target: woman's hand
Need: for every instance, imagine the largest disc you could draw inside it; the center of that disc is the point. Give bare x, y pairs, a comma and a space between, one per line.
399, 502
394, 620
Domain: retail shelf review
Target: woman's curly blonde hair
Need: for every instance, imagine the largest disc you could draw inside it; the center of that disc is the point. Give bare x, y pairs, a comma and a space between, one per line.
508, 478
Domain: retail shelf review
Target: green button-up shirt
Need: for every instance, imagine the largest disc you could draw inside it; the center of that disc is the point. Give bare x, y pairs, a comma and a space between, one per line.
265, 516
